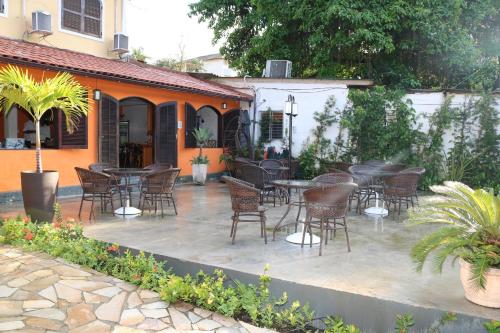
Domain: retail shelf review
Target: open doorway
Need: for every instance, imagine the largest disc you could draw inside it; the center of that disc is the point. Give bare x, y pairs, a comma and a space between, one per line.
136, 132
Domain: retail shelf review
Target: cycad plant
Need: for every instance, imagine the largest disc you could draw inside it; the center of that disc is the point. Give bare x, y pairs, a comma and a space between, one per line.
61, 92
471, 231
201, 135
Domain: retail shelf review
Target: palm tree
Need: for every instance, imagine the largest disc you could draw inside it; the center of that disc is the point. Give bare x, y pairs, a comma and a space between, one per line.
61, 92
472, 231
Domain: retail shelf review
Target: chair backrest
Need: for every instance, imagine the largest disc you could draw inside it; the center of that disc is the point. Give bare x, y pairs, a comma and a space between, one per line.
158, 166
161, 181
328, 201
402, 184
293, 167
92, 181
270, 164
334, 178
419, 170
359, 173
237, 164
242, 159
99, 167
244, 196
374, 162
255, 175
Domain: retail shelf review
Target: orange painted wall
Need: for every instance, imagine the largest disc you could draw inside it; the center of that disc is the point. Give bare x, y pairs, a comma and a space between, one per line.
12, 162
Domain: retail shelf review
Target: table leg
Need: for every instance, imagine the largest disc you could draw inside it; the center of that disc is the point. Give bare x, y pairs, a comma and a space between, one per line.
278, 225
127, 181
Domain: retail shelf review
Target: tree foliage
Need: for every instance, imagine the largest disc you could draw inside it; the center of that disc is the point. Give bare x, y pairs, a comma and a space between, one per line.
424, 43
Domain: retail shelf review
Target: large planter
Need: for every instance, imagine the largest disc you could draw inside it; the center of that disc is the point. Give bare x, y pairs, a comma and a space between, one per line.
39, 194
199, 173
490, 296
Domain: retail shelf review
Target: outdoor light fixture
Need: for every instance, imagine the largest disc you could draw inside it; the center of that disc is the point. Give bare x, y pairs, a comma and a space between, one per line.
224, 106
97, 95
291, 110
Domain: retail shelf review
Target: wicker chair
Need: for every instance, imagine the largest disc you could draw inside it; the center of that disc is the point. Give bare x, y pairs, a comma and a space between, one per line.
245, 202
237, 165
157, 187
96, 185
364, 191
272, 168
260, 178
418, 170
334, 178
325, 204
400, 188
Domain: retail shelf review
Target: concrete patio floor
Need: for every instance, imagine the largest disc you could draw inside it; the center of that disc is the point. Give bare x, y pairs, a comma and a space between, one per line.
378, 267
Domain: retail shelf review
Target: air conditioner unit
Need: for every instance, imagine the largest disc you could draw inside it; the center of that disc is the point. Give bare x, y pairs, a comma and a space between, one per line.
120, 43
40, 23
278, 69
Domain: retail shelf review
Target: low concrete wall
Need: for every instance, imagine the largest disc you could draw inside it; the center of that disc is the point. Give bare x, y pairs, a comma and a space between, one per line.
371, 314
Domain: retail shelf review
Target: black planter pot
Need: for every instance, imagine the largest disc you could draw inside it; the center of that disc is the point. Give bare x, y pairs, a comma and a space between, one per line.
39, 194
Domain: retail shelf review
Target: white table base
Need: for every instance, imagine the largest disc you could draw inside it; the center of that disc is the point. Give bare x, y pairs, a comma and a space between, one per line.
376, 210
127, 211
296, 238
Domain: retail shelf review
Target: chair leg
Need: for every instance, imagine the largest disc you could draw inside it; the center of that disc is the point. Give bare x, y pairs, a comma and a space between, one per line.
320, 236
263, 225
347, 235
306, 226
81, 206
235, 227
233, 218
161, 205
173, 203
92, 209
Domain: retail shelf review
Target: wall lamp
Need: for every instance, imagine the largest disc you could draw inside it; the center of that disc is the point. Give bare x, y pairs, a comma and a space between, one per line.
97, 95
224, 106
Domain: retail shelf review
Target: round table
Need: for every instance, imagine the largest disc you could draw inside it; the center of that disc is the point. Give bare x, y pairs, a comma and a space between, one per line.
126, 173
300, 185
372, 172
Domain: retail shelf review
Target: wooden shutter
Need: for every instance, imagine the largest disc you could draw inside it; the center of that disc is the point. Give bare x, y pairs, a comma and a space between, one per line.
191, 124
108, 131
166, 133
76, 140
230, 126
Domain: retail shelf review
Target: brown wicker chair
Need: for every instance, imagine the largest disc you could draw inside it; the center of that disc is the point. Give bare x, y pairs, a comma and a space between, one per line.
96, 185
325, 204
400, 188
237, 165
245, 202
157, 187
272, 168
260, 178
364, 191
418, 170
334, 178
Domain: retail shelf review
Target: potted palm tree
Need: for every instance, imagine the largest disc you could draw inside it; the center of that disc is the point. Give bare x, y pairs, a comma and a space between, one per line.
471, 234
62, 92
200, 162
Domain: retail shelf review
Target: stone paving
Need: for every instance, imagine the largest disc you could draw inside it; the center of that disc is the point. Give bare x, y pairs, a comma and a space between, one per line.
42, 294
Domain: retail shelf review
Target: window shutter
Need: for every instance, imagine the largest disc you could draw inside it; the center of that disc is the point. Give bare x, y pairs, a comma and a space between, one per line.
108, 131
191, 124
166, 134
83, 16
76, 140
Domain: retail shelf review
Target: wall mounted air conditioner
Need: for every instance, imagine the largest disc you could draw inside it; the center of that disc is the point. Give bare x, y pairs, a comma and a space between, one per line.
120, 43
40, 23
278, 69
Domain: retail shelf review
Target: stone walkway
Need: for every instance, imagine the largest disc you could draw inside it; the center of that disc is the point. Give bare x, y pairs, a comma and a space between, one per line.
40, 294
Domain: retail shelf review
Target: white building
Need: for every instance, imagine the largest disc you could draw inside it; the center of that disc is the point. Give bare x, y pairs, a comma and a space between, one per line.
311, 95
217, 65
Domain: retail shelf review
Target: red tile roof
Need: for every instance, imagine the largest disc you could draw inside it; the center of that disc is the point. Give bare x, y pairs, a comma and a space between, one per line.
80, 63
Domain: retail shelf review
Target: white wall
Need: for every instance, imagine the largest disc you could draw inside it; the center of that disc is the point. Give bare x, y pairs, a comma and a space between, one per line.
218, 67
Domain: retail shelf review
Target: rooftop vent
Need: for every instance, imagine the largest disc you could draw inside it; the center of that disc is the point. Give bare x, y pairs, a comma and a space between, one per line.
278, 69
40, 23
120, 43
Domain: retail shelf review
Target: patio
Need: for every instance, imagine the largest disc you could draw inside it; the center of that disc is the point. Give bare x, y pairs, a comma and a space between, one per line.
367, 286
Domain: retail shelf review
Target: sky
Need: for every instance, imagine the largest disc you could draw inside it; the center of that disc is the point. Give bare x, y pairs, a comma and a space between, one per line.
159, 26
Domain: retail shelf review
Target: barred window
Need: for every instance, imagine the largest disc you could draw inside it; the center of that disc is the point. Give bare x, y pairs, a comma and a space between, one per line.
82, 16
272, 124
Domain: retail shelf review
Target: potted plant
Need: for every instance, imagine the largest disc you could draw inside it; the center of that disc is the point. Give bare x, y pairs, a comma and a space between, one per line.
200, 162
471, 234
62, 92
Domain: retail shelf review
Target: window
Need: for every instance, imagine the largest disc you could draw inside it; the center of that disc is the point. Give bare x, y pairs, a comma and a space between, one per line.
271, 125
82, 16
206, 117
3, 7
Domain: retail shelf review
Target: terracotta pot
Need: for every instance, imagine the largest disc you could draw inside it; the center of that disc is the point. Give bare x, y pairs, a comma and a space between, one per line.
39, 194
490, 296
199, 173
